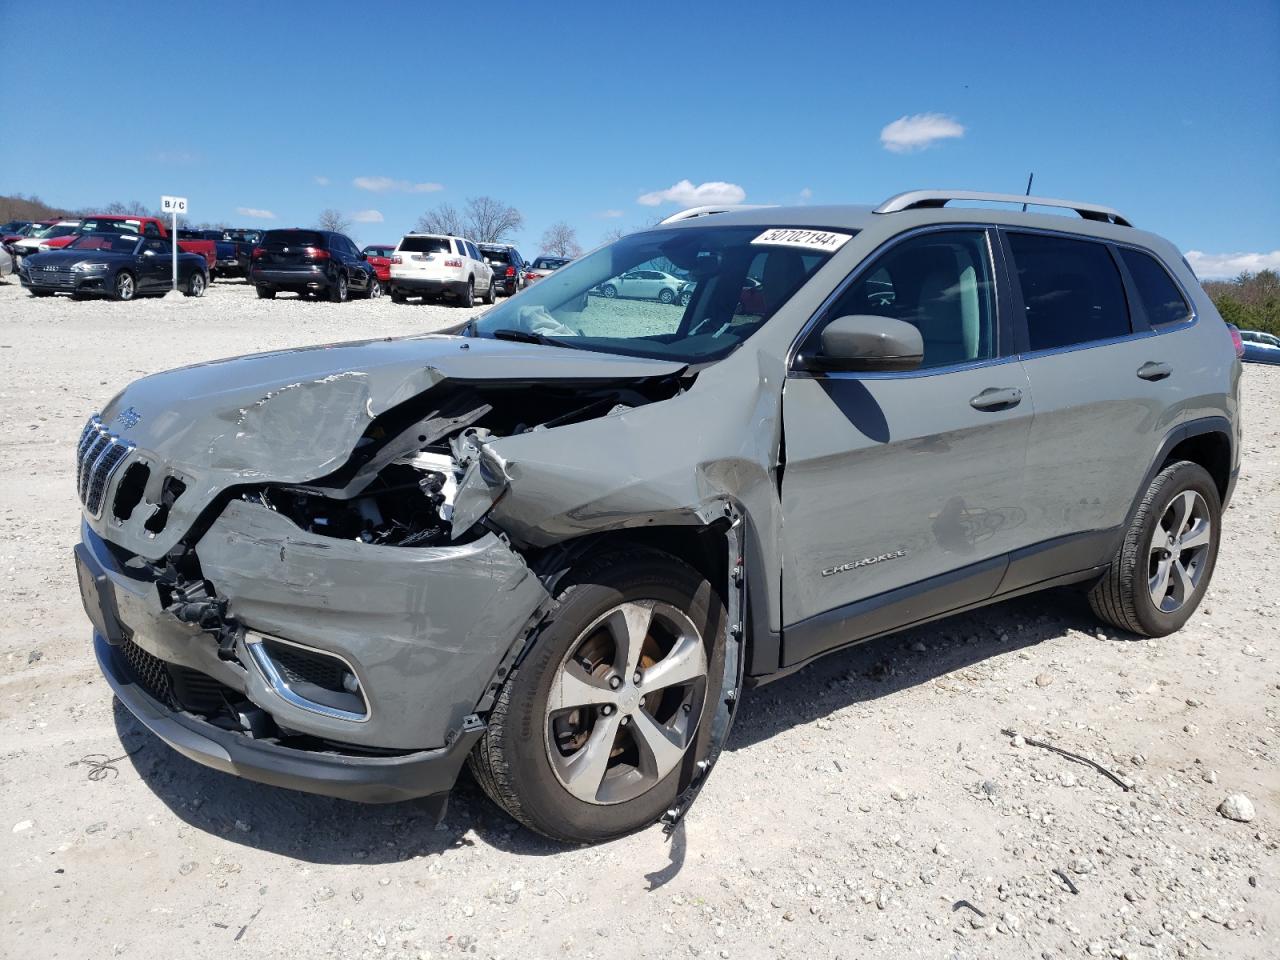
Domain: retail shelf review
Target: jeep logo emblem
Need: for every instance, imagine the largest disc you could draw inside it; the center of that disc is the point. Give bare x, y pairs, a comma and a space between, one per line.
128, 418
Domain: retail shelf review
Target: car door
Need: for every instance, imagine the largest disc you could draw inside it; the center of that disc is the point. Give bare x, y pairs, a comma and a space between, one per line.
155, 265
1107, 392
902, 492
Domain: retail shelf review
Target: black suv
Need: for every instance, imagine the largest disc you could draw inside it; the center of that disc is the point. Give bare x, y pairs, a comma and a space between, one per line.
508, 266
311, 263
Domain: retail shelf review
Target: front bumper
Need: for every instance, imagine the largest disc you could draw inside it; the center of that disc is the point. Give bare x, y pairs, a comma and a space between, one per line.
81, 283
368, 779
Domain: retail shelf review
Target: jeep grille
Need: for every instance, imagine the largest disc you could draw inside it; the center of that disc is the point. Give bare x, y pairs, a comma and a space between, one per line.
98, 457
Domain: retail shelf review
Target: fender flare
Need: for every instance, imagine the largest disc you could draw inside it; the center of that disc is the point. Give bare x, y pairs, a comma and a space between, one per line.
1184, 431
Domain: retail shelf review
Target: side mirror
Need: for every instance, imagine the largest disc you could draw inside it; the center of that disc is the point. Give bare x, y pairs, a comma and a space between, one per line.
148, 252
487, 260
865, 342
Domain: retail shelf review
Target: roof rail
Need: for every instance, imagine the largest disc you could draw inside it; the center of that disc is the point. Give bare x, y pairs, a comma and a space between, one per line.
923, 199
708, 210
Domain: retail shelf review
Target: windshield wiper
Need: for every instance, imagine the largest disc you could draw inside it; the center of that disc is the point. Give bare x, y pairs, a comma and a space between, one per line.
527, 336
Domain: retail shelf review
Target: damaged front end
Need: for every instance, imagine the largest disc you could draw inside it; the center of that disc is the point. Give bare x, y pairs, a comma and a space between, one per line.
336, 621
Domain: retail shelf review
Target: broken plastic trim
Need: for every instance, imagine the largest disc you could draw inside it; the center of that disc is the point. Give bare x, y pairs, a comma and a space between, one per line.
694, 773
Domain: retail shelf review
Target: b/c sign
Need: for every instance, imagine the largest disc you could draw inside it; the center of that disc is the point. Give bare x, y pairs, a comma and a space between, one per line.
173, 204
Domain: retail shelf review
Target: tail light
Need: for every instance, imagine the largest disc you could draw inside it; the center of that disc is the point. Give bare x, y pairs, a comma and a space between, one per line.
259, 251
316, 253
396, 259
1236, 340
455, 262
511, 271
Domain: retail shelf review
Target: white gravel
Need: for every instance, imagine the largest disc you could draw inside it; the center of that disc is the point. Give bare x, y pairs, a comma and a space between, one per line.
870, 806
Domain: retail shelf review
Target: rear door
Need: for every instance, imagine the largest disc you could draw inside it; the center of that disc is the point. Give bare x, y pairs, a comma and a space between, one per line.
1107, 393
902, 492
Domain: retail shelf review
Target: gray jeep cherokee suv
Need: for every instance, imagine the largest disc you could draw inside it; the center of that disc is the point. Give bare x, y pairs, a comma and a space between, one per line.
559, 543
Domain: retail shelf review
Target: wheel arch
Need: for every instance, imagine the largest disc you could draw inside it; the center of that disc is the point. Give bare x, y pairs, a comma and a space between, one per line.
1207, 442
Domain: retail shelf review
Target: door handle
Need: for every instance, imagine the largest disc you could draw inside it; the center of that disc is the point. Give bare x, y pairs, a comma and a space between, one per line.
1154, 371
997, 398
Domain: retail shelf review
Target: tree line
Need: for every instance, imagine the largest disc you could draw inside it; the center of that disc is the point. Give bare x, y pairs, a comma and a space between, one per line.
1251, 301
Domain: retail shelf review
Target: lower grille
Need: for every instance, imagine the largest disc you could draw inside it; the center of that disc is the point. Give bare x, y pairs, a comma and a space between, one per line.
178, 688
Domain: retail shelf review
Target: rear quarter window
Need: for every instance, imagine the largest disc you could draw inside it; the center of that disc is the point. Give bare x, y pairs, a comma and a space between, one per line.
1160, 297
1071, 290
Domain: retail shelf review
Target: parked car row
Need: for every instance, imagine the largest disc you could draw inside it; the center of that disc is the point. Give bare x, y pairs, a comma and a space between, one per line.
1260, 347
109, 263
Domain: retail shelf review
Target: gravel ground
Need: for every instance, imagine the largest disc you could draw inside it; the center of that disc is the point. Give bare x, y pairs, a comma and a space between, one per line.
869, 806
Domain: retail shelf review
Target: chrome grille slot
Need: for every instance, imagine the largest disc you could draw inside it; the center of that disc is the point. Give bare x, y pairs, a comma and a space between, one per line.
99, 455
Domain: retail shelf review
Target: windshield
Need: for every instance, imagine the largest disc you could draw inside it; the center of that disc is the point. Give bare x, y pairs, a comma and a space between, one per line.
243, 236
109, 226
55, 230
111, 242
378, 251
687, 294
549, 263
497, 256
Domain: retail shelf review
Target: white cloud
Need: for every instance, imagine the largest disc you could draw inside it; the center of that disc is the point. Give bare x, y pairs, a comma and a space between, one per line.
611, 214
321, 181
1215, 265
919, 131
806, 195
367, 216
255, 213
687, 195
385, 184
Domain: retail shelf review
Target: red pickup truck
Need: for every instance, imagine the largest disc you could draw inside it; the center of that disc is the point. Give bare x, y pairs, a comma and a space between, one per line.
146, 226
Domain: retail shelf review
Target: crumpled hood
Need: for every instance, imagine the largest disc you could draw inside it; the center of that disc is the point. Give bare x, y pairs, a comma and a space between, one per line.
295, 415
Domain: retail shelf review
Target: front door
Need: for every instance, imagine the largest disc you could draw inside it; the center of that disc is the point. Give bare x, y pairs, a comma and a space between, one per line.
902, 493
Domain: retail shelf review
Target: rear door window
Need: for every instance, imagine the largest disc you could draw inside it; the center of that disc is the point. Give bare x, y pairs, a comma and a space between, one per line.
1160, 297
1071, 290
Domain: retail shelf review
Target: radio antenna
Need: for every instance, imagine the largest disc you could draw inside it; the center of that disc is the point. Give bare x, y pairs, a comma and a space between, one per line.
1031, 176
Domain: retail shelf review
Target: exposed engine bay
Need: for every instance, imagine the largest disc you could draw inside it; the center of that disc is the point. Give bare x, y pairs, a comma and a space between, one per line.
399, 486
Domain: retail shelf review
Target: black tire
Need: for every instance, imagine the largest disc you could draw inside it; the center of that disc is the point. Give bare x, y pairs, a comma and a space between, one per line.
397, 296
685, 298
1123, 596
511, 762
666, 296
467, 299
41, 293
375, 289
491, 295
265, 293
609, 290
338, 290
195, 285
125, 287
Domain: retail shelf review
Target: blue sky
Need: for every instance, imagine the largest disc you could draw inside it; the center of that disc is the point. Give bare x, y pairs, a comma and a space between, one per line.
1169, 112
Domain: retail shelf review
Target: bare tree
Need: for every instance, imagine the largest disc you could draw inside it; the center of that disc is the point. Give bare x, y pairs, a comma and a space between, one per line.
443, 219
491, 221
485, 220
560, 240
331, 219
617, 233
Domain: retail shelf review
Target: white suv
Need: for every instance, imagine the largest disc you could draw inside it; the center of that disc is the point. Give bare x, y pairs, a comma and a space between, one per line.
432, 265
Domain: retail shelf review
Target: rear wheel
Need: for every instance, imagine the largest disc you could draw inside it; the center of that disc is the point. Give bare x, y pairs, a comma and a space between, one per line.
590, 732
265, 293
468, 299
195, 286
125, 288
1161, 572
609, 290
338, 290
491, 295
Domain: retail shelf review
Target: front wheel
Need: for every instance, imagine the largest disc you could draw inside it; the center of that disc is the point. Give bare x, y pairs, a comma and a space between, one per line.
1162, 569
666, 296
375, 288
589, 734
685, 298
609, 290
126, 288
195, 286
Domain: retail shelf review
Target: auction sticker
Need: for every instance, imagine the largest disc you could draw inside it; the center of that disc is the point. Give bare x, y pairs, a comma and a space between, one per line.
824, 240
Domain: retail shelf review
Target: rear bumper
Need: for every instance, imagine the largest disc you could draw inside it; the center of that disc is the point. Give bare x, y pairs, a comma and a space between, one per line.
368, 779
310, 277
413, 285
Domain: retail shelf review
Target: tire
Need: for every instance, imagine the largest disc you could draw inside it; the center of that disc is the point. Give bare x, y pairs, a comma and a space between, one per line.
609, 290
1168, 552
513, 762
375, 289
666, 296
468, 299
491, 295
685, 298
41, 293
195, 286
126, 287
338, 290
397, 296
265, 293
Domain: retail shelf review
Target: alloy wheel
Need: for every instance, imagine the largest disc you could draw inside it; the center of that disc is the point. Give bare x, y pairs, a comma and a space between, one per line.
1179, 549
124, 286
624, 704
